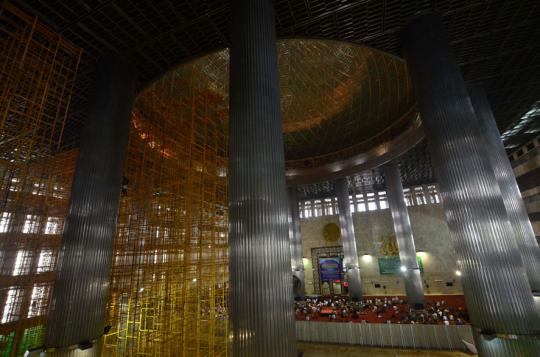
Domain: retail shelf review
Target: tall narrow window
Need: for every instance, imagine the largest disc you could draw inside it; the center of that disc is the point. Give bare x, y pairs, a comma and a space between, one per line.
31, 224
433, 194
5, 219
407, 194
360, 203
328, 207
419, 195
37, 302
371, 204
383, 200
12, 307
22, 263
317, 208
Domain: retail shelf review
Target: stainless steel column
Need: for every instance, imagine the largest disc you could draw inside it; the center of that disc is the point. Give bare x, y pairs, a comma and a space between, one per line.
260, 296
350, 259
495, 284
511, 195
77, 312
297, 262
404, 236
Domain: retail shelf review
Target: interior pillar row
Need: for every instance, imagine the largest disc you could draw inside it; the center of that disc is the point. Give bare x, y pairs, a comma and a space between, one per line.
77, 314
260, 289
350, 254
498, 295
297, 263
511, 195
404, 236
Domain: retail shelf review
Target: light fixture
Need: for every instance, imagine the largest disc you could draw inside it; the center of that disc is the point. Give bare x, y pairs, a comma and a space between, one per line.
403, 268
458, 273
194, 280
367, 257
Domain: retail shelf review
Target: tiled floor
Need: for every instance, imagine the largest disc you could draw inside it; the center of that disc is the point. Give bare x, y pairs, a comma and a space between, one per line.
327, 350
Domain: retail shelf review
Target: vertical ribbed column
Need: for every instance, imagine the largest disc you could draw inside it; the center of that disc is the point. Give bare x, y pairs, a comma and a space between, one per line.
261, 311
511, 195
495, 284
350, 259
297, 263
77, 312
404, 236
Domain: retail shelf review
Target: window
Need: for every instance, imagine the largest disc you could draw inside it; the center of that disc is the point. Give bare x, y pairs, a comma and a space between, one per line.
383, 200
15, 185
371, 204
352, 206
37, 303
31, 225
22, 263
5, 219
360, 203
420, 199
328, 207
433, 194
53, 225
12, 308
46, 261
38, 188
307, 209
317, 208
407, 194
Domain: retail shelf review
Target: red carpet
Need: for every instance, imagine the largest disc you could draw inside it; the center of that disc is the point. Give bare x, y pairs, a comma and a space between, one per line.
453, 305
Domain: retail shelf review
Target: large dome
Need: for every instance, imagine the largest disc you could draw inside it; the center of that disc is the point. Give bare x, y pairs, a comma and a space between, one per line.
338, 99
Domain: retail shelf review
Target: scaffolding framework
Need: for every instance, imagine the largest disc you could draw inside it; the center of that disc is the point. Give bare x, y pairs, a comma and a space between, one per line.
170, 269
37, 74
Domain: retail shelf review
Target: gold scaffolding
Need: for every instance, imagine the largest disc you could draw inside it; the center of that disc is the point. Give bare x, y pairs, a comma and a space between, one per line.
37, 75
169, 279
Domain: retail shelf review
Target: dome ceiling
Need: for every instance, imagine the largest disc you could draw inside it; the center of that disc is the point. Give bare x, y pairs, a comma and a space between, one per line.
337, 98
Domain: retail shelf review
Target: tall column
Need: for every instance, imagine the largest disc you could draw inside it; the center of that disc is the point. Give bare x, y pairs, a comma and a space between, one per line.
511, 195
350, 259
404, 236
495, 284
260, 296
77, 312
297, 263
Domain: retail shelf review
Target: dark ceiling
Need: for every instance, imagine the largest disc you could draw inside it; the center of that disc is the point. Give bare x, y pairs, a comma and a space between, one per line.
496, 42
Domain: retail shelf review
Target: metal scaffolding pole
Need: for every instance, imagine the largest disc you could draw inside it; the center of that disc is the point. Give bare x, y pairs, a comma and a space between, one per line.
495, 283
350, 260
404, 236
511, 195
297, 264
78, 309
260, 290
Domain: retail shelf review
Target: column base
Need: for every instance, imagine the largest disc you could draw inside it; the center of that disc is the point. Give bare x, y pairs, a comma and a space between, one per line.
75, 351
505, 347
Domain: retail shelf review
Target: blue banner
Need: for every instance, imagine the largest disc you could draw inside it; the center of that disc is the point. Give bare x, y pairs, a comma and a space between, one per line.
330, 268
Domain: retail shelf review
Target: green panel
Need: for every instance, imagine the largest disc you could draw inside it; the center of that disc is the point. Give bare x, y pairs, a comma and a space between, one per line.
391, 265
6, 344
33, 337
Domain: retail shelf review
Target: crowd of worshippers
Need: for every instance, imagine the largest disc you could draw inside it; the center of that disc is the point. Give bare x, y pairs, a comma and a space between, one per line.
378, 310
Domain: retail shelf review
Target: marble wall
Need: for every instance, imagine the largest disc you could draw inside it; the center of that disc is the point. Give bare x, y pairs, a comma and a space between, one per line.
432, 240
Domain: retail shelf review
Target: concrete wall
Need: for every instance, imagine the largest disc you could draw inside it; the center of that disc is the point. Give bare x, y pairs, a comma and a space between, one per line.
431, 236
